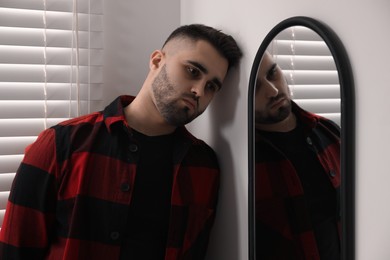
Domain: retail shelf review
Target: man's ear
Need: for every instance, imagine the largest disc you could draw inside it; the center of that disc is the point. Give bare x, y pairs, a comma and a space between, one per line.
156, 59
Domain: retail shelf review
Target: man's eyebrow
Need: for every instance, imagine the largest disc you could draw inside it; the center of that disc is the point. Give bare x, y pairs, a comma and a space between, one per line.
202, 68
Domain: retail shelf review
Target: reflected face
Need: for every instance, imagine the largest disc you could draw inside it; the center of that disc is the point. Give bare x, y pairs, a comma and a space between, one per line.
188, 81
272, 97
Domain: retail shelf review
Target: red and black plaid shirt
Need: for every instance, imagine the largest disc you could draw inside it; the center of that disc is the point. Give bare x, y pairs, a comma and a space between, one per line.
72, 192
282, 215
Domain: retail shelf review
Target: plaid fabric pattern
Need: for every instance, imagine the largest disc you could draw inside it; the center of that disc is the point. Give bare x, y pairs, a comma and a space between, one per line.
72, 192
283, 225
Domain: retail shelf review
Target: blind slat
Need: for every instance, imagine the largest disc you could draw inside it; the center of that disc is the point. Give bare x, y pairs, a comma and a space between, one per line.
6, 181
25, 127
315, 91
55, 56
2, 212
320, 105
285, 47
3, 199
96, 6
305, 62
55, 38
54, 20
55, 73
300, 33
55, 91
10, 163
36, 108
335, 117
308, 77
14, 145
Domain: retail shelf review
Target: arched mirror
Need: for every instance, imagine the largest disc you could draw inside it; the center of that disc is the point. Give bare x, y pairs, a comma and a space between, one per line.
301, 145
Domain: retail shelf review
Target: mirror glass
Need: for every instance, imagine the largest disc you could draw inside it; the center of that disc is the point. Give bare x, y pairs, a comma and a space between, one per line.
309, 69
298, 199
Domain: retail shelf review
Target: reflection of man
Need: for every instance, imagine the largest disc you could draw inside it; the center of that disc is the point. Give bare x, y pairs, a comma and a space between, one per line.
297, 175
129, 182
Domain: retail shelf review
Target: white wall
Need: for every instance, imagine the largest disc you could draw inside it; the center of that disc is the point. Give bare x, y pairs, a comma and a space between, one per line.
132, 31
134, 28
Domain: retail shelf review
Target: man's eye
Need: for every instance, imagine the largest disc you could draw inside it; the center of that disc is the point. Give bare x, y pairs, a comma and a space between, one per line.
194, 72
272, 73
212, 87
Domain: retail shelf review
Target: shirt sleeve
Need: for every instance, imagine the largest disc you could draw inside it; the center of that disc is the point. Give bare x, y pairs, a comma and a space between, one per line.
29, 217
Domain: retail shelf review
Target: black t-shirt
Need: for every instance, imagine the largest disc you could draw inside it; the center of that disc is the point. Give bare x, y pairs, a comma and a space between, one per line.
319, 193
148, 220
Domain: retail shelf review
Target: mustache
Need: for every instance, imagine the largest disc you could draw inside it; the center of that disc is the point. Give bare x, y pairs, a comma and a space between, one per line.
192, 96
276, 99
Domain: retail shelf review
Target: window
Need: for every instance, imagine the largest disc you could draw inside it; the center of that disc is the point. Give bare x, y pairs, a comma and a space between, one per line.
51, 55
310, 71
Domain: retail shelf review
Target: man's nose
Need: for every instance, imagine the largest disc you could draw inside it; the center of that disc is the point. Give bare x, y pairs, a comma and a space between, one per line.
271, 90
198, 89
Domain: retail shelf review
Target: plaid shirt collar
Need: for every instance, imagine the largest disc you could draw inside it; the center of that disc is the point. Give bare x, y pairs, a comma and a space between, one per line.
308, 119
114, 112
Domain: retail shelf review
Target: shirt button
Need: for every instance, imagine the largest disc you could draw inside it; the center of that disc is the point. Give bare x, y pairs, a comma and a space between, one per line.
309, 141
125, 187
332, 173
133, 148
114, 235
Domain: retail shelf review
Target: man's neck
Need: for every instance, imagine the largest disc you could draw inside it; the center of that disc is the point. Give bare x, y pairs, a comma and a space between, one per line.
143, 116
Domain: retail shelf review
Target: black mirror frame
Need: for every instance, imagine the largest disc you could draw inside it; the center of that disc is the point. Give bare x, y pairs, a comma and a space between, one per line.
347, 190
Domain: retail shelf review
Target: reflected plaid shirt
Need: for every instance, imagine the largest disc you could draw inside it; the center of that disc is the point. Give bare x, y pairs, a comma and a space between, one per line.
282, 216
71, 195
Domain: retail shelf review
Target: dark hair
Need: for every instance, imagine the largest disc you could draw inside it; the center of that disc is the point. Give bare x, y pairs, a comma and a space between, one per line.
223, 43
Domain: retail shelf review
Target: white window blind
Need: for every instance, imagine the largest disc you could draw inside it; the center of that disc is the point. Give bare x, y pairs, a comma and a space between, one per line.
310, 71
51, 55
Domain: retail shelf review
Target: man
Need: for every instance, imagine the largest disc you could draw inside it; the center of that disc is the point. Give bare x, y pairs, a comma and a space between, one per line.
297, 175
129, 182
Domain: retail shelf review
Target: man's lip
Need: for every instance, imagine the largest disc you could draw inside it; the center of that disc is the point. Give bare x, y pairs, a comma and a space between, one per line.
278, 101
191, 103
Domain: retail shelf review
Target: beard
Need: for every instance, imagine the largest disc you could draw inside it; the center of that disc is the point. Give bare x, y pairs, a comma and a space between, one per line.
266, 117
167, 102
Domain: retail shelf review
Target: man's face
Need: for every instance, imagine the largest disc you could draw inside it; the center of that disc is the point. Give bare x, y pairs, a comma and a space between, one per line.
192, 72
272, 98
